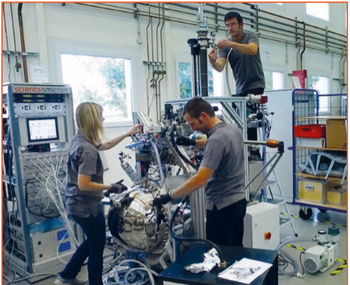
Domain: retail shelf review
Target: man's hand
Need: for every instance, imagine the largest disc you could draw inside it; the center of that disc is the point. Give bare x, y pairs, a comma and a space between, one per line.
161, 200
224, 43
117, 187
213, 56
185, 141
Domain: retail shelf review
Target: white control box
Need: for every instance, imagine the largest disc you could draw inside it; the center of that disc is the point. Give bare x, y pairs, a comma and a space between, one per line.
261, 226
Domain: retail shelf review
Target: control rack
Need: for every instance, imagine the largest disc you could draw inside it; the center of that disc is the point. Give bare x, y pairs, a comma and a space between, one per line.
37, 128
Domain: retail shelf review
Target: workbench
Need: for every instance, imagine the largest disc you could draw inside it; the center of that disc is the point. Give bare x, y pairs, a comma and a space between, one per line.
177, 274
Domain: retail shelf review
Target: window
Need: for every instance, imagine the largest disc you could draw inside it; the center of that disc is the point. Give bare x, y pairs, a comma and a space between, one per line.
319, 10
103, 80
273, 80
185, 78
321, 85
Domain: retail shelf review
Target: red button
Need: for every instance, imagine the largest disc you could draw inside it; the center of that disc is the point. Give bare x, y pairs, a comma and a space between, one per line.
267, 235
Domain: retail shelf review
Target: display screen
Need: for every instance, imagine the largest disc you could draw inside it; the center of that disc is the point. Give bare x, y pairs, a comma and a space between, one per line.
43, 129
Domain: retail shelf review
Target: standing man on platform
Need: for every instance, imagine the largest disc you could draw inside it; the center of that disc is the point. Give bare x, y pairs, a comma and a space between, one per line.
242, 52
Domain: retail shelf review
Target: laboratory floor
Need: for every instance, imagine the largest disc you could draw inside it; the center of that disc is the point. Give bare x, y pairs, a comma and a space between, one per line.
336, 275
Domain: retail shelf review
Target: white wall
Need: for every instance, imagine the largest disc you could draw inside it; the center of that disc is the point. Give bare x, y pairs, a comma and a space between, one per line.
51, 28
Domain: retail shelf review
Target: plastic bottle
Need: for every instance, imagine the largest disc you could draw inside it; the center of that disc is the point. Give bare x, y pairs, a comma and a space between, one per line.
129, 171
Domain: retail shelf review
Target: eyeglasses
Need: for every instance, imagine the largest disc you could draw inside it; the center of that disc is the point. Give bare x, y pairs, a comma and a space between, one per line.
231, 24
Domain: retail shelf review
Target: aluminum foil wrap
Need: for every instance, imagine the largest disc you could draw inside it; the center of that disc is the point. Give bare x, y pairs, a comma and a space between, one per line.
211, 259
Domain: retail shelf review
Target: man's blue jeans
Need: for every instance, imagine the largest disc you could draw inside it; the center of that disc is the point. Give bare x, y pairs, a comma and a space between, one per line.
95, 231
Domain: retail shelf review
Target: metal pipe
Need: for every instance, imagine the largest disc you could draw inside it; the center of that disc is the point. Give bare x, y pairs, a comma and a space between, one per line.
208, 12
148, 63
21, 30
7, 42
194, 76
160, 165
289, 19
297, 33
14, 40
215, 13
194, 65
227, 8
203, 65
161, 47
158, 102
188, 22
304, 47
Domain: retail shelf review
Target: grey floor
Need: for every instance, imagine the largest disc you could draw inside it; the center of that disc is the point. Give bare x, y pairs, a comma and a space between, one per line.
304, 228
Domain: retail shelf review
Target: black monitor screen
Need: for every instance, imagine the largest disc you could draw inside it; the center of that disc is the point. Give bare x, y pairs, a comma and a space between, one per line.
42, 129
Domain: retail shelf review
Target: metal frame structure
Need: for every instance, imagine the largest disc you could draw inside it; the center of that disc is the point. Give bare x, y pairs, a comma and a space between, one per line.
306, 111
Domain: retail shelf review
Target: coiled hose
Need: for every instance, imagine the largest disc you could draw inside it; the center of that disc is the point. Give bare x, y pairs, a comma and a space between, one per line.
292, 260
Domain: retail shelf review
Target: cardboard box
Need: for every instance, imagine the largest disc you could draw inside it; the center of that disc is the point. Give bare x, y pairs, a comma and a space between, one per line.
310, 190
337, 196
336, 133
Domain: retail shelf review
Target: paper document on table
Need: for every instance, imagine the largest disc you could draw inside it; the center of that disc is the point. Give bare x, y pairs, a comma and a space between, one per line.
245, 270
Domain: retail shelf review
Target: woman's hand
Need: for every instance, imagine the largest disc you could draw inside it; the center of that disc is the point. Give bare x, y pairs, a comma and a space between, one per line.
113, 142
134, 130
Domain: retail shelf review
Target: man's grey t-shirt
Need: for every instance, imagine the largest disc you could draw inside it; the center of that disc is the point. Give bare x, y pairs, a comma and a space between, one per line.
247, 69
224, 153
83, 159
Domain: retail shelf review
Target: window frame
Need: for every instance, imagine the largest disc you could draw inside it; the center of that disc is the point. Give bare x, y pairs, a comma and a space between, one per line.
105, 50
276, 71
328, 111
177, 62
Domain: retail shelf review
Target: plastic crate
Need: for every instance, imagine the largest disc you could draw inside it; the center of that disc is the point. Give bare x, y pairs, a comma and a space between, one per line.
310, 131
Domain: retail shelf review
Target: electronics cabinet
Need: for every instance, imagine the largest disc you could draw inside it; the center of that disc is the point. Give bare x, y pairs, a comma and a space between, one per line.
257, 232
37, 128
319, 152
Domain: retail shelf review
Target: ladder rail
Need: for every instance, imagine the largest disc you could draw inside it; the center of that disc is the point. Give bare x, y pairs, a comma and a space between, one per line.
283, 198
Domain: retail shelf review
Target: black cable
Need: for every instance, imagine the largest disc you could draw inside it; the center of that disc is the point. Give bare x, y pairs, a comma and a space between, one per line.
9, 162
184, 201
26, 198
172, 139
301, 263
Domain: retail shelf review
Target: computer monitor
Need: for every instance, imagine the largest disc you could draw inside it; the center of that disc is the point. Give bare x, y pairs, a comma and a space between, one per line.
42, 129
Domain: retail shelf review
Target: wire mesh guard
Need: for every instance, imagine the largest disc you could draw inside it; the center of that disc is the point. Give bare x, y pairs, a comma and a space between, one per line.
314, 162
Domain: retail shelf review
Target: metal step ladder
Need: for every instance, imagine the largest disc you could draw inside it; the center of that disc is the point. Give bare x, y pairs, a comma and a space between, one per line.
262, 134
279, 200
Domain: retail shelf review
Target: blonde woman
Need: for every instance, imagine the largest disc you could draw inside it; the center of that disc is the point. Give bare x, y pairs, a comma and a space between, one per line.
85, 191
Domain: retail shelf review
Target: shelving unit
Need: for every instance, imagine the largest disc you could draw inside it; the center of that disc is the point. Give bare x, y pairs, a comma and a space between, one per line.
318, 190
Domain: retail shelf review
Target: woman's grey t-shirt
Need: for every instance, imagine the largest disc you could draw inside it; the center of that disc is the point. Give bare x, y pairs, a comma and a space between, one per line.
224, 153
83, 159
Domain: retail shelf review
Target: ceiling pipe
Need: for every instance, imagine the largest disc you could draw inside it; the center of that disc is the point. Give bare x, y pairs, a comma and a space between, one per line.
304, 47
23, 46
338, 42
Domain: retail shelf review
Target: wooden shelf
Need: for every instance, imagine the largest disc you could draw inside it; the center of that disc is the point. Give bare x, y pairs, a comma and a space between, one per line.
334, 180
325, 205
323, 148
321, 117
